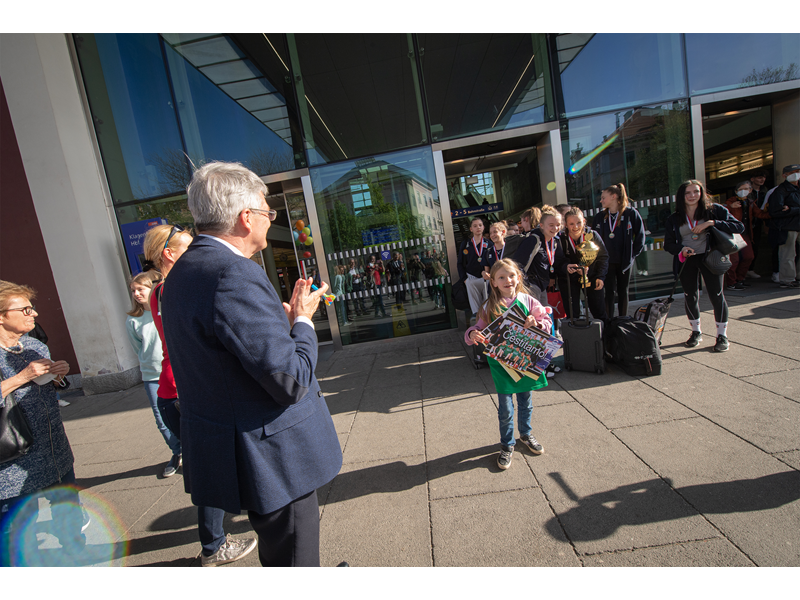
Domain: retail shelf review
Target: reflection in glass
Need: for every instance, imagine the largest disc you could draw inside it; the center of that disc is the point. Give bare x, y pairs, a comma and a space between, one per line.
228, 106
509, 186
133, 114
299, 256
649, 151
358, 94
724, 61
161, 104
608, 71
384, 242
477, 83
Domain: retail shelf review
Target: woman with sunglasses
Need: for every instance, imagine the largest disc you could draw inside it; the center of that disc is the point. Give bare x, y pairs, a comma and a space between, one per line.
163, 246
31, 377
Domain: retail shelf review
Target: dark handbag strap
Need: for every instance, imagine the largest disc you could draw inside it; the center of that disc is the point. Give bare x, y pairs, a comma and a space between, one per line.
677, 279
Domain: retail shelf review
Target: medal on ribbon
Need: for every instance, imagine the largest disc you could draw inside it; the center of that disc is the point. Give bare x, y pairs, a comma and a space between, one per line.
613, 225
550, 247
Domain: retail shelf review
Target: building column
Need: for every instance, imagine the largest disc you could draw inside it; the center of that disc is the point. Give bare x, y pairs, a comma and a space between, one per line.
72, 203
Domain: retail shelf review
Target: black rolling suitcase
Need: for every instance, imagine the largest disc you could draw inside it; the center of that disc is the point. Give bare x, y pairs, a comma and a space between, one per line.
583, 341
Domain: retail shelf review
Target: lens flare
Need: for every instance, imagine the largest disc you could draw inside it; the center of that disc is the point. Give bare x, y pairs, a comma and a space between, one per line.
588, 158
551, 186
54, 529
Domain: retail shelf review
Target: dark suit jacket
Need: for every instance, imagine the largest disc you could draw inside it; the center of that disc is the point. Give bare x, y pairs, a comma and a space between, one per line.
255, 429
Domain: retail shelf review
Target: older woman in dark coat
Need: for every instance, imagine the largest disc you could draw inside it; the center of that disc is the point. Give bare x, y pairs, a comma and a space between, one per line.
47, 468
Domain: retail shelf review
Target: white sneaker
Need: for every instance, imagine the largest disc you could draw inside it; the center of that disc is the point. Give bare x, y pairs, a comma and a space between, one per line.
63, 403
231, 551
776, 278
753, 275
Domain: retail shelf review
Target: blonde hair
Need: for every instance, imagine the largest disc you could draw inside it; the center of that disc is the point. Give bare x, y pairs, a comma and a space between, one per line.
534, 214
494, 306
499, 224
10, 290
147, 279
618, 190
155, 242
549, 211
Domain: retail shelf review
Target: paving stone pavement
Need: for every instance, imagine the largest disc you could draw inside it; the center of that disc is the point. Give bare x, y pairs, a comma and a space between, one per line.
697, 467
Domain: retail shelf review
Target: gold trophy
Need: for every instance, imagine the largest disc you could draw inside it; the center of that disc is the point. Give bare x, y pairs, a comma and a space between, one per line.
587, 254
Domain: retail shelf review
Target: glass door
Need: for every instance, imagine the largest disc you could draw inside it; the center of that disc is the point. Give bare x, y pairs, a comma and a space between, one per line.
290, 254
380, 220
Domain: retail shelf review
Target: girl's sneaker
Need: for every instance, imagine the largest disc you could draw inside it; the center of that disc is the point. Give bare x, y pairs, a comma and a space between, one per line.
504, 460
531, 444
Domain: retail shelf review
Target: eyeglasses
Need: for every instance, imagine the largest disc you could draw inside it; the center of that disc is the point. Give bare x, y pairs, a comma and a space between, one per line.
271, 214
175, 229
26, 310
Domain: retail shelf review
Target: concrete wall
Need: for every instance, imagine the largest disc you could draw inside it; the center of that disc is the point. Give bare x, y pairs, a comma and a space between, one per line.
71, 201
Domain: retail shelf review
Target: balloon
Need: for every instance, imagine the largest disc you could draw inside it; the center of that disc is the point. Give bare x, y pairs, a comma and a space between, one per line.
299, 225
306, 254
309, 241
307, 230
301, 237
295, 234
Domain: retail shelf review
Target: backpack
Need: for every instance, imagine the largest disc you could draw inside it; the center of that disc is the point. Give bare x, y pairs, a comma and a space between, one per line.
632, 345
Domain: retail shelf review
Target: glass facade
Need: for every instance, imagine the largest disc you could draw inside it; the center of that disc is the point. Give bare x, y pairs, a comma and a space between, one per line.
163, 103
358, 94
649, 151
604, 71
718, 62
381, 222
476, 83
360, 112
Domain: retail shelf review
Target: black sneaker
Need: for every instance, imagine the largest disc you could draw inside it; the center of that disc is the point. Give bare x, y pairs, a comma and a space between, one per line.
732, 287
739, 286
694, 339
504, 460
173, 465
722, 344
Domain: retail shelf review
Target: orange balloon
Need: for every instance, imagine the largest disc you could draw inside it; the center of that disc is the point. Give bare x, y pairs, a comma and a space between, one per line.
299, 225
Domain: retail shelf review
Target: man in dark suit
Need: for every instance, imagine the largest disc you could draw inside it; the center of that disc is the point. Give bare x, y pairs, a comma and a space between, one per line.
256, 431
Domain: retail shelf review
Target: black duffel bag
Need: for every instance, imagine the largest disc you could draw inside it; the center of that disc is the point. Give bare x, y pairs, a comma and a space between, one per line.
632, 345
459, 295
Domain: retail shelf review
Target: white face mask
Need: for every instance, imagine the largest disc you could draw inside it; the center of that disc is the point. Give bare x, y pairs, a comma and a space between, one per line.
743, 193
793, 177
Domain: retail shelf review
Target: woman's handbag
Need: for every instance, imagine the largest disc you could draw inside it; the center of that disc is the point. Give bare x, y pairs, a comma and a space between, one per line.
717, 262
726, 243
16, 436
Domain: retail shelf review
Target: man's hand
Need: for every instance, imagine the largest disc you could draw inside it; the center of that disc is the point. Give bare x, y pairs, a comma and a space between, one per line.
304, 302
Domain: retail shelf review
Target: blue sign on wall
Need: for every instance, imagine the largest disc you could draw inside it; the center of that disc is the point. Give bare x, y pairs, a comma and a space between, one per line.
133, 235
476, 210
381, 235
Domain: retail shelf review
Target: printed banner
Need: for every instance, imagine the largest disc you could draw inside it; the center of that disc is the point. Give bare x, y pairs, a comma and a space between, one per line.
522, 352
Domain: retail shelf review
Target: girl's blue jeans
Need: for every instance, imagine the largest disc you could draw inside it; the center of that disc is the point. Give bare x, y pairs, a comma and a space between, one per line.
505, 412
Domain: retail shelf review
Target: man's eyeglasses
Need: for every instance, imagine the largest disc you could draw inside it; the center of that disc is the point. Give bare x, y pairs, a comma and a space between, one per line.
26, 310
271, 214
175, 229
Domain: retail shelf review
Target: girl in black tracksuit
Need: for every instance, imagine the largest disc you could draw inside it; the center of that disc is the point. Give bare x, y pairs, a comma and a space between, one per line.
687, 237
622, 230
574, 233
